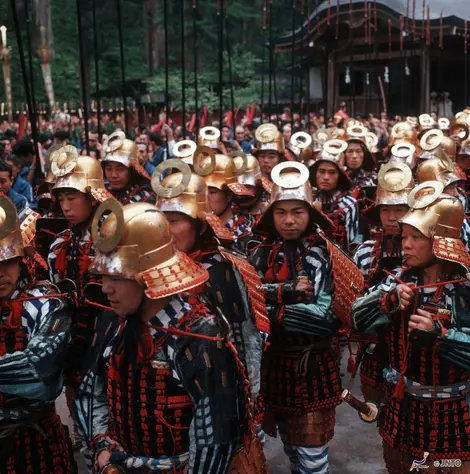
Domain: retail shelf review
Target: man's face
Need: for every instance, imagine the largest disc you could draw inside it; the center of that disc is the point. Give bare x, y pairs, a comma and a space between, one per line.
354, 156
267, 161
15, 168
144, 139
287, 133
218, 200
76, 207
389, 217
240, 136
183, 231
142, 153
9, 275
117, 175
417, 248
5, 182
7, 146
327, 176
291, 219
124, 295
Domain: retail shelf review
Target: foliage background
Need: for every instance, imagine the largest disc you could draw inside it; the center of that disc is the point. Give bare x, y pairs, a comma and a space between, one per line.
143, 31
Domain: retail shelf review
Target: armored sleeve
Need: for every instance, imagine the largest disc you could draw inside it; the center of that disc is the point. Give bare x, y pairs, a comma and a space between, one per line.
208, 372
454, 344
54, 276
36, 372
91, 404
351, 217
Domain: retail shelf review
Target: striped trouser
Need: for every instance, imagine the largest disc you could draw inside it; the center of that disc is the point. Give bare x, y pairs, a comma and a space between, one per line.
305, 460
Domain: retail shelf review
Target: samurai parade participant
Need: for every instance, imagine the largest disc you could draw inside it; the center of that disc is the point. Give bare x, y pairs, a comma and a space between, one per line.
453, 178
328, 176
300, 376
79, 188
360, 163
232, 286
424, 308
34, 332
161, 394
384, 252
128, 180
269, 148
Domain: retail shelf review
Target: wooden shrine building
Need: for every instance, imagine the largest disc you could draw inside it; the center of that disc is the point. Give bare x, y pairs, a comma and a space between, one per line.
371, 53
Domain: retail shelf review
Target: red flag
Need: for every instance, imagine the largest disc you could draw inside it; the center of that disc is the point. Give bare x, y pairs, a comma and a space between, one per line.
192, 123
23, 122
159, 125
229, 118
204, 115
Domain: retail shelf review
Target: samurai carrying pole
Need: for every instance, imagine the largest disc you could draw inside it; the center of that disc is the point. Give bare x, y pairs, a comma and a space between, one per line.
82, 76
123, 65
32, 117
183, 72
97, 69
195, 58
45, 55
5, 52
229, 54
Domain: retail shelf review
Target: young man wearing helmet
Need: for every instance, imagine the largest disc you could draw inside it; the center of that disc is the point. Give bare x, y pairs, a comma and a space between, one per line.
162, 391
300, 376
333, 184
374, 257
78, 188
34, 332
424, 308
127, 179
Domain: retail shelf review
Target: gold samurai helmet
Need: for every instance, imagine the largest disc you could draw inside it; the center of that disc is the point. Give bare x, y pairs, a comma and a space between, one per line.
81, 173
439, 217
135, 242
269, 138
441, 169
186, 192
119, 149
395, 182
11, 239
291, 183
404, 152
301, 145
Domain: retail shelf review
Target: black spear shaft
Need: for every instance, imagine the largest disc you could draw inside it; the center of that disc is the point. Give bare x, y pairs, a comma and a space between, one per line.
183, 71
271, 60
123, 66
97, 70
82, 76
196, 98
229, 54
292, 66
220, 14
32, 117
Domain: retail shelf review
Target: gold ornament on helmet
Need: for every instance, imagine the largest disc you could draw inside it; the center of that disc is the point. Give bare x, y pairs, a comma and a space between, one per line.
209, 136
240, 166
144, 252
372, 140
395, 181
174, 191
106, 242
357, 132
50, 178
431, 139
200, 163
269, 138
300, 145
441, 169
413, 121
114, 142
400, 129
11, 240
320, 136
184, 150
444, 123
252, 176
63, 160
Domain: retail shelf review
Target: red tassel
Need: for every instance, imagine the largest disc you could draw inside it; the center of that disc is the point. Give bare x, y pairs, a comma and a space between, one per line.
400, 389
192, 123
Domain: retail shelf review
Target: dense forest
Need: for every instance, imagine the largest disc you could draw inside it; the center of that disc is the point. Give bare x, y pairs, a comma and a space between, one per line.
194, 39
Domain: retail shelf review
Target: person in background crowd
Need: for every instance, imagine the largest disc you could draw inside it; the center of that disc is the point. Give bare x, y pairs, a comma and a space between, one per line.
6, 183
19, 184
61, 137
24, 150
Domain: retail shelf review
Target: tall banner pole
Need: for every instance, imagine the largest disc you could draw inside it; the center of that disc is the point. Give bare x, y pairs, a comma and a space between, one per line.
123, 64
97, 69
183, 71
195, 60
45, 56
5, 52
